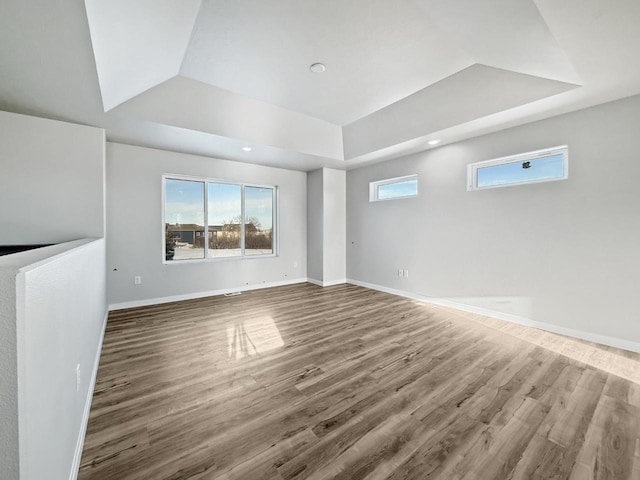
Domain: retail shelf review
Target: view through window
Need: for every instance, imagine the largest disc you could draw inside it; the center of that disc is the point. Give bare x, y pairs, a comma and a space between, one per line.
531, 167
239, 222
392, 188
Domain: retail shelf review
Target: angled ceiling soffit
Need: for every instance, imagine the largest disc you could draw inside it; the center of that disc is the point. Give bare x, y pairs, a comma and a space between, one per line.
507, 34
186, 103
508, 58
475, 92
138, 44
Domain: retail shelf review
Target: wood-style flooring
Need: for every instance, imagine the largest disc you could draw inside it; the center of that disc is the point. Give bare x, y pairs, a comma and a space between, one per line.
303, 382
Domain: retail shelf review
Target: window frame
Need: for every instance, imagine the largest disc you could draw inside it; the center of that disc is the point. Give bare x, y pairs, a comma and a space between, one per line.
275, 214
375, 185
472, 168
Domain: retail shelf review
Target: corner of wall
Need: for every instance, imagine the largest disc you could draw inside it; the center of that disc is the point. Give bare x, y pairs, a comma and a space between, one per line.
9, 433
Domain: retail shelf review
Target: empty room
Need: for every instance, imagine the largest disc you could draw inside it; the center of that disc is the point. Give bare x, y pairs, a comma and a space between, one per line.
288, 240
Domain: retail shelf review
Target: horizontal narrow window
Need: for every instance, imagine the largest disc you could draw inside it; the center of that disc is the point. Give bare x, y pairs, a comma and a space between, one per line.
531, 167
392, 188
215, 219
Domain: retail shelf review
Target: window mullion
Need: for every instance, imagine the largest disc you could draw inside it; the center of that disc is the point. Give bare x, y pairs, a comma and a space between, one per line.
275, 233
206, 220
242, 220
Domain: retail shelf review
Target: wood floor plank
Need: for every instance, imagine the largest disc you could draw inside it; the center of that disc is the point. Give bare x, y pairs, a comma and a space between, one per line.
357, 422
610, 446
307, 383
506, 444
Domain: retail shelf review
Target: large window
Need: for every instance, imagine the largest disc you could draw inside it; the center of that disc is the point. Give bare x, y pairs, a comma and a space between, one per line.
531, 167
392, 188
217, 219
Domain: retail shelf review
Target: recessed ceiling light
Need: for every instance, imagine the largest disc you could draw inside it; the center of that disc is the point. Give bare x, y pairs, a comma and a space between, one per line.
433, 142
247, 149
317, 67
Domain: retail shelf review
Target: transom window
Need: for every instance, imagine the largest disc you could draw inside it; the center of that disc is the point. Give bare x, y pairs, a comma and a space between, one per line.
213, 219
392, 188
532, 167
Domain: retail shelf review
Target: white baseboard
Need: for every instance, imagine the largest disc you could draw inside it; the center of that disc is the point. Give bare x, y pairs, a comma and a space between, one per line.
392, 291
210, 293
75, 466
508, 317
330, 283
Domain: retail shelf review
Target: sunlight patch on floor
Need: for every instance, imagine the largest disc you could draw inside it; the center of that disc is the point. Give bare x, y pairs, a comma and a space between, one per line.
251, 337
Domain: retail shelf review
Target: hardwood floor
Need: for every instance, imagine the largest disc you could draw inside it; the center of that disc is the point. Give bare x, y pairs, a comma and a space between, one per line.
303, 382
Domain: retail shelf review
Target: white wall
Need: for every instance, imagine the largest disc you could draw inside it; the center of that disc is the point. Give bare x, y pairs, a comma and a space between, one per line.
52, 307
334, 232
315, 225
326, 224
563, 254
61, 315
51, 181
52, 319
135, 228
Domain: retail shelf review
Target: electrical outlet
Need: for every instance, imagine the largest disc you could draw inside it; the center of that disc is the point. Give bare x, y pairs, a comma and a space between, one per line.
400, 272
406, 273
77, 377
295, 264
137, 280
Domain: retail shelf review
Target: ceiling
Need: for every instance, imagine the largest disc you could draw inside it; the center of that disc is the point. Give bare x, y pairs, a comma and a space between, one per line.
211, 76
